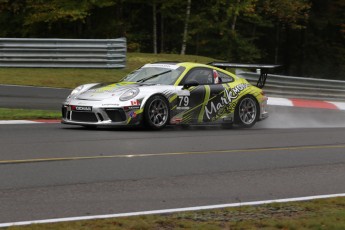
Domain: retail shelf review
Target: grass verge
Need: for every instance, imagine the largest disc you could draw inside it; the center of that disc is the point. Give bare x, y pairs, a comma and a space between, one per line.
18, 114
317, 214
71, 78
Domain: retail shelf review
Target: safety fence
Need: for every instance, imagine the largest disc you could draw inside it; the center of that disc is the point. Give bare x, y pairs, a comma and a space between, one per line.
111, 53
298, 87
63, 53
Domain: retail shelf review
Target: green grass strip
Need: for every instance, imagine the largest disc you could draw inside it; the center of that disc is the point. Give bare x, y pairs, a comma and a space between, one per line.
73, 77
20, 114
316, 214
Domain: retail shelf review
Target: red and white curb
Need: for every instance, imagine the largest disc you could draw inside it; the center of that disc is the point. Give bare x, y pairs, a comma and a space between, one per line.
166, 211
301, 103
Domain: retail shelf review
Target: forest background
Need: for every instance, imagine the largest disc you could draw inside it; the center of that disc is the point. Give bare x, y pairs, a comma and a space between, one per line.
307, 37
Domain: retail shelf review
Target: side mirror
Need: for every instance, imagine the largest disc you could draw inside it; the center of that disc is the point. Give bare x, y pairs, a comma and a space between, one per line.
189, 84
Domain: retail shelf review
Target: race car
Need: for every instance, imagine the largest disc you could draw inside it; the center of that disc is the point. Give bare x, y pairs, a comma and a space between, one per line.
170, 93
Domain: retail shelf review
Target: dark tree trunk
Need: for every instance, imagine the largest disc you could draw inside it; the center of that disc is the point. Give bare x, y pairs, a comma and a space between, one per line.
185, 33
154, 15
287, 53
234, 18
162, 33
277, 42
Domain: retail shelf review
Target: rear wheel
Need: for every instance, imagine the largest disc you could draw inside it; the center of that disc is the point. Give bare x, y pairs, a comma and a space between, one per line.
247, 111
156, 112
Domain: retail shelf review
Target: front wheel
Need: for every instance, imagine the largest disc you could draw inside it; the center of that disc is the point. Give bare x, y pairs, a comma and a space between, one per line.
247, 111
156, 112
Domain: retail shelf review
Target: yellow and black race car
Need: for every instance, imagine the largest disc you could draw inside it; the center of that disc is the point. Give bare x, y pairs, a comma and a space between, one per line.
164, 93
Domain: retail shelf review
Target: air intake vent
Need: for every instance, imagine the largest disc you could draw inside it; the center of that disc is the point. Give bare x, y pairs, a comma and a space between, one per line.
83, 116
116, 115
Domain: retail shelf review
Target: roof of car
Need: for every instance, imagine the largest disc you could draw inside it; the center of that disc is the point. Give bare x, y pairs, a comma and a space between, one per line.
180, 63
192, 64
167, 62
188, 65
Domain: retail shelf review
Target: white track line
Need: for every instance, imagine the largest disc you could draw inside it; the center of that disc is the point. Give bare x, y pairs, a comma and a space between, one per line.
32, 86
20, 122
14, 122
164, 211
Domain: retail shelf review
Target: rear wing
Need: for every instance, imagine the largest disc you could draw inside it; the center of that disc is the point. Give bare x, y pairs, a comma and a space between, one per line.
263, 69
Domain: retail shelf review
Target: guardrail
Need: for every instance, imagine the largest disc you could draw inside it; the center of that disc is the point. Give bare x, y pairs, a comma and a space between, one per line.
63, 53
299, 87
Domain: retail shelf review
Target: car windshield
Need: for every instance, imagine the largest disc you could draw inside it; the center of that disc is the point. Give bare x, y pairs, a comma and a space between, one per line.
164, 74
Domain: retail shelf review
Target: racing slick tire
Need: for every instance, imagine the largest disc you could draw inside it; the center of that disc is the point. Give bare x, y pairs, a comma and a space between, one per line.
156, 112
246, 112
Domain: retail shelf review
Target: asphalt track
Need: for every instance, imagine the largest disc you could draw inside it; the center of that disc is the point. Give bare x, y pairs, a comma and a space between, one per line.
28, 97
55, 171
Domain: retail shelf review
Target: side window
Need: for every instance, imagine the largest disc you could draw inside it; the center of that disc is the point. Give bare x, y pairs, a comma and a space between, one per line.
224, 77
201, 75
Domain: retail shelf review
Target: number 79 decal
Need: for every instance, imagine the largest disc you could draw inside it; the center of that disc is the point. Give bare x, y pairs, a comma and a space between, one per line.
183, 102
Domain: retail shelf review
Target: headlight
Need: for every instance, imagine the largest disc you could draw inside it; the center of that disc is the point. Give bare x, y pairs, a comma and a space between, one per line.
129, 94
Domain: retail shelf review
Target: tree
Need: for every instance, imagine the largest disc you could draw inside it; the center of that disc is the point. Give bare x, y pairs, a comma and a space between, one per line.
325, 50
56, 14
286, 14
306, 36
239, 41
172, 26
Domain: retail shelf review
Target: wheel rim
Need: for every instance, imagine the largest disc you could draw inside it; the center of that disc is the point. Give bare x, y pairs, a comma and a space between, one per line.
247, 111
158, 112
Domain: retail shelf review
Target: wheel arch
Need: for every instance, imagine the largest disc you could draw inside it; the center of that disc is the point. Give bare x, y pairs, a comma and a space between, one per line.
143, 103
252, 96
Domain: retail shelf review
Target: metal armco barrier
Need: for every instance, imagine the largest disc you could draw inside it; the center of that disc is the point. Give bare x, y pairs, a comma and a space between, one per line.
298, 87
63, 53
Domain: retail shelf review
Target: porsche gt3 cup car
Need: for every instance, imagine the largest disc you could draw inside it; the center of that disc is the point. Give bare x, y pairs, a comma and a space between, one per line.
160, 94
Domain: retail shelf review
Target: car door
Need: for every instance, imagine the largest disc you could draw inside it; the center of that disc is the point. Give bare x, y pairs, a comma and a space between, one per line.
221, 105
204, 91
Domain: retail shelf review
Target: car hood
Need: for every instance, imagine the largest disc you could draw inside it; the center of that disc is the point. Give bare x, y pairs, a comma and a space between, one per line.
106, 90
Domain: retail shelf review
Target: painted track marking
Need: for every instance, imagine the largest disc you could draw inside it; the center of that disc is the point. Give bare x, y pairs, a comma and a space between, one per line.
165, 211
39, 160
19, 122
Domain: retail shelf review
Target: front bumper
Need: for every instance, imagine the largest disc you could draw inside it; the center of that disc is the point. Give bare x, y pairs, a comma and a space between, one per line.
99, 116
